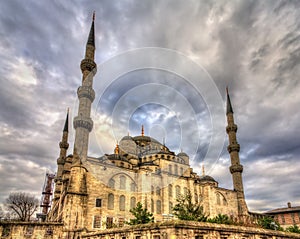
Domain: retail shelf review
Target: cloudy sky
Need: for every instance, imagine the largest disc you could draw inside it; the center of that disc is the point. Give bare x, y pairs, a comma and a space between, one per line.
164, 64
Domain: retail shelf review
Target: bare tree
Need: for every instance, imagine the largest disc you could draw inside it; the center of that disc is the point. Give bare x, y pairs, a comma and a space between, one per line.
2, 213
22, 204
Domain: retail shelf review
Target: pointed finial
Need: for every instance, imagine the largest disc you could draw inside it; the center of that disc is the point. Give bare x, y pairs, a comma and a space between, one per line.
229, 106
203, 170
142, 130
128, 133
164, 143
66, 127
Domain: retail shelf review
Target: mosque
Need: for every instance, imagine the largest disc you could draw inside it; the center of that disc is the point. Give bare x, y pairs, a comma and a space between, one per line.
96, 193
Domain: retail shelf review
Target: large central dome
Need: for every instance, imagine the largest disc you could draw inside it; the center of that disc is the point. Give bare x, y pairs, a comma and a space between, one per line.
134, 145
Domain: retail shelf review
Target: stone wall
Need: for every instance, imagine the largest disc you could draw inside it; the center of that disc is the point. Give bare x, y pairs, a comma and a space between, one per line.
34, 230
189, 230
149, 189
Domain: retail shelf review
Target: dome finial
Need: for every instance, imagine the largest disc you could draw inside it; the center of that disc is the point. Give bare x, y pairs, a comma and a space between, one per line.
203, 170
142, 130
117, 148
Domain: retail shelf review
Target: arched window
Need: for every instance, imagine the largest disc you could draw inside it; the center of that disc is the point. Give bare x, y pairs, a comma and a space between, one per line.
181, 171
158, 191
132, 202
170, 168
152, 189
132, 187
122, 203
218, 199
152, 206
170, 190
111, 201
196, 198
176, 169
158, 207
224, 201
170, 207
122, 182
111, 183
177, 190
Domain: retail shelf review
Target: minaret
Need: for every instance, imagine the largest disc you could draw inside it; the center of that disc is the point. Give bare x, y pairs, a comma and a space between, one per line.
236, 168
83, 123
64, 145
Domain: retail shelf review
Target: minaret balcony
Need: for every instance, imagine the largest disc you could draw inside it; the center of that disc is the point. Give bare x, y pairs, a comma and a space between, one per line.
81, 122
231, 128
236, 168
233, 147
86, 92
63, 145
88, 65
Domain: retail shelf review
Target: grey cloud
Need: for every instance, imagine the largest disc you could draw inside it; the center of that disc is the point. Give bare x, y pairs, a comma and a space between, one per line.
234, 41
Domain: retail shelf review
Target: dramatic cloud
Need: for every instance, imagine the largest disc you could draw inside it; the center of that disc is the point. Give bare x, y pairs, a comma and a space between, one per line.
251, 46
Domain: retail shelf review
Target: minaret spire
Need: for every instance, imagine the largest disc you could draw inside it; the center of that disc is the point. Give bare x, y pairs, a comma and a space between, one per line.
83, 123
91, 39
229, 106
66, 127
236, 168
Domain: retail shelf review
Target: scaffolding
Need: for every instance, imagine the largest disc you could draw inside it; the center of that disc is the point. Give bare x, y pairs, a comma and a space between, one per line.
47, 194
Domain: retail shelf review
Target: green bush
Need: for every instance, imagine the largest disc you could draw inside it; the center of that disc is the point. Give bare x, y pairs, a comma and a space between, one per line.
142, 216
269, 223
221, 219
294, 229
185, 209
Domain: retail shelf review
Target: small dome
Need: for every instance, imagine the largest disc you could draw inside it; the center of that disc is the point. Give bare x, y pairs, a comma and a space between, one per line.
206, 178
182, 154
127, 137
